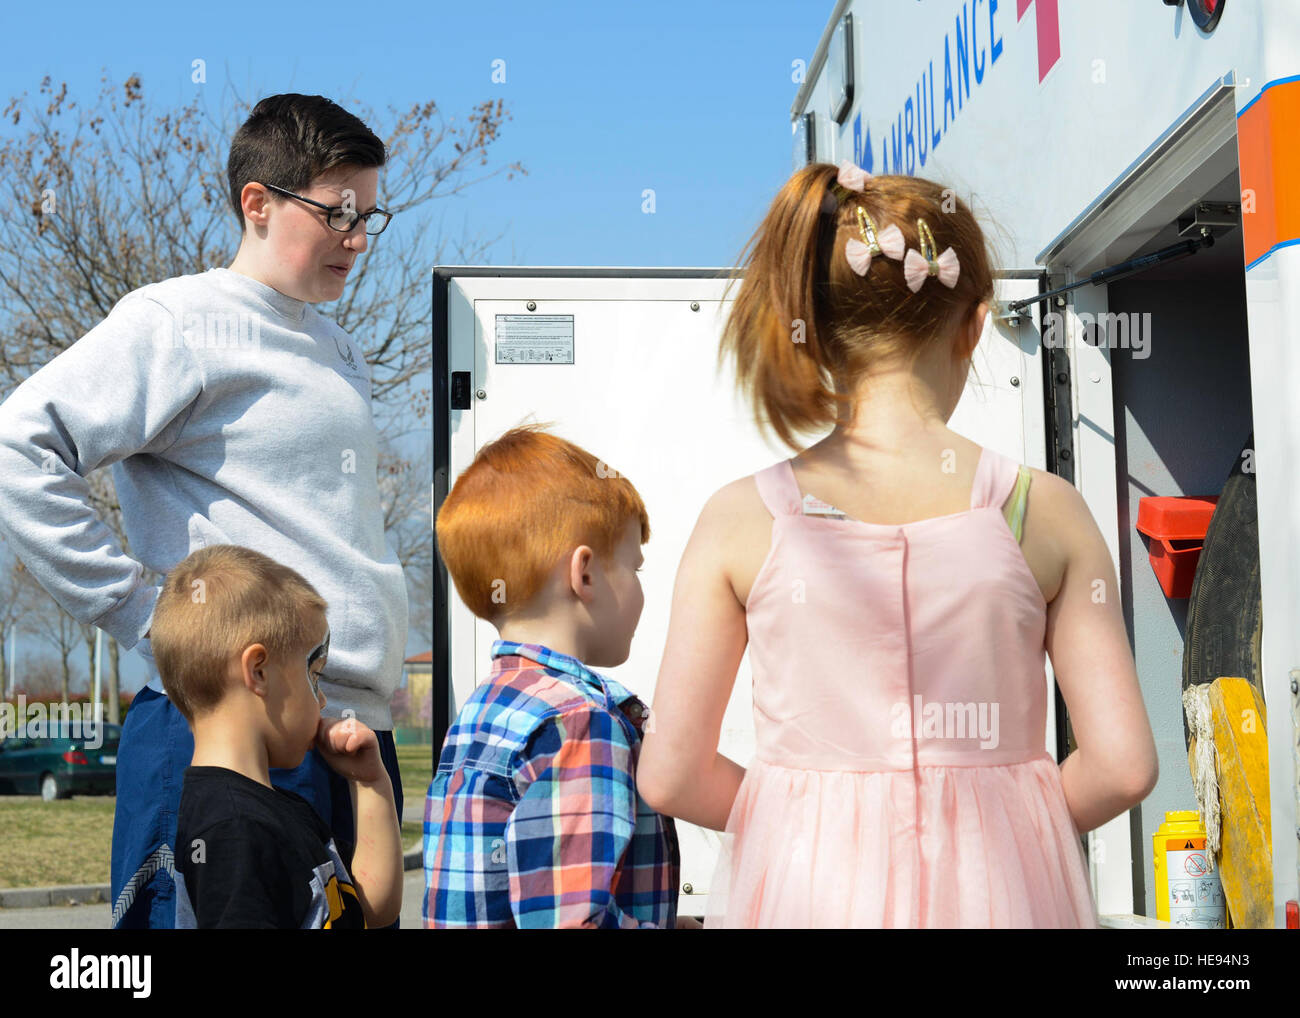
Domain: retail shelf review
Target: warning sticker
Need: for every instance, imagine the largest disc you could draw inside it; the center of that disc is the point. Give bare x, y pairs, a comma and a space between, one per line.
1195, 894
534, 339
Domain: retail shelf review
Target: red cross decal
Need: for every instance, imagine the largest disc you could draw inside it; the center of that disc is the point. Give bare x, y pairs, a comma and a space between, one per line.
1048, 26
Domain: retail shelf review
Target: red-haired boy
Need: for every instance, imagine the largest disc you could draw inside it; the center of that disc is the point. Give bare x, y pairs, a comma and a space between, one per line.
532, 817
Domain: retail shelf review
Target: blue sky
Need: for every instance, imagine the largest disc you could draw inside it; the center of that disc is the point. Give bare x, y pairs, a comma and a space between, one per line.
606, 99
690, 99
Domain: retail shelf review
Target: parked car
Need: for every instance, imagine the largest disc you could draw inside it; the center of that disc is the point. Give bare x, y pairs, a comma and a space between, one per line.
56, 764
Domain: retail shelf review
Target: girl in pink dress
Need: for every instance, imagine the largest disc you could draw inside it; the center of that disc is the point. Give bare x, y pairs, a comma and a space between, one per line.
897, 592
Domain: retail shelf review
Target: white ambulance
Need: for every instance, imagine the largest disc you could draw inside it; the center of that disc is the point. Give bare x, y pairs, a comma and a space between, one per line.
1138, 165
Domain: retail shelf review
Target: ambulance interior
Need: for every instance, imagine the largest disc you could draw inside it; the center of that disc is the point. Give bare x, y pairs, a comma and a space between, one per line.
1181, 395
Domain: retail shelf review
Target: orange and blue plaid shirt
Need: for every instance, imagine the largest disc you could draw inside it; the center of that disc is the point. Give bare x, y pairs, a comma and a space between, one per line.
532, 818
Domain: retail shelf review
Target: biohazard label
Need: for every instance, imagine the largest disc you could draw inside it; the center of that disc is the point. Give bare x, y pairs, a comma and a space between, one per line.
1195, 894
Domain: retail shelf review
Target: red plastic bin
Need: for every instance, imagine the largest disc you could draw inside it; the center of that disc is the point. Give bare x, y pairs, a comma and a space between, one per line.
1176, 525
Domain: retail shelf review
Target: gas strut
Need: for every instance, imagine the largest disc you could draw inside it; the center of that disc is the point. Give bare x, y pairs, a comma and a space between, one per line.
1107, 275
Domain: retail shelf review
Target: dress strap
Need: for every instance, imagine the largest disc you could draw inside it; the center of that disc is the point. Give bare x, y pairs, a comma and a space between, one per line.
994, 478
778, 489
986, 485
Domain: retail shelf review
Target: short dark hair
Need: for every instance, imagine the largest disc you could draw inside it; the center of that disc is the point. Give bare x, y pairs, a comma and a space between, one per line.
289, 140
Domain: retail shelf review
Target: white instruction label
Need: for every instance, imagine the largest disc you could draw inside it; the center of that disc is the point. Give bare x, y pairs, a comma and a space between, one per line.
534, 339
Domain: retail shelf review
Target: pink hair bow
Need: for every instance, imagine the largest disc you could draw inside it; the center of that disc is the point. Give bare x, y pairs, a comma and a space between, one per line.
891, 242
918, 265
852, 177
888, 241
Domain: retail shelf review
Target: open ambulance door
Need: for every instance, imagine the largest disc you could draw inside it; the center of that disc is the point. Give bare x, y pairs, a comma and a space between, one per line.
1171, 364
622, 361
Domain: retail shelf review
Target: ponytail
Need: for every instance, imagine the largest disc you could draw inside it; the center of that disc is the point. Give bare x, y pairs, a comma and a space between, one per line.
806, 328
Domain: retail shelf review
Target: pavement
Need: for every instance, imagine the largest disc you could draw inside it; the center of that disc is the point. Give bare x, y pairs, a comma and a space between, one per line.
99, 916
87, 907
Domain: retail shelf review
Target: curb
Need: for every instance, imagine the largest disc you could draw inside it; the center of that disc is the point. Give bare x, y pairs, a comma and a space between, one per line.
97, 894
40, 897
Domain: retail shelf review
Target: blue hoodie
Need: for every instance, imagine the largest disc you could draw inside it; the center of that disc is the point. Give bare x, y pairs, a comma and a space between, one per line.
230, 414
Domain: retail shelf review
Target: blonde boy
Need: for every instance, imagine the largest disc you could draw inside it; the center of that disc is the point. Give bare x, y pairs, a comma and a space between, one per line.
241, 644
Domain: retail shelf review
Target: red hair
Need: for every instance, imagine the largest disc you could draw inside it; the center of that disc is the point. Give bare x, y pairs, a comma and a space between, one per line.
805, 325
528, 499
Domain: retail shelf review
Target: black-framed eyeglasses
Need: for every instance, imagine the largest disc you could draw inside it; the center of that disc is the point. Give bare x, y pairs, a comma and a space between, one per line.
342, 219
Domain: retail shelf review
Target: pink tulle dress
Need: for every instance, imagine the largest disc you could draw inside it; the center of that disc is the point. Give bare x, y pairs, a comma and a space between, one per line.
900, 777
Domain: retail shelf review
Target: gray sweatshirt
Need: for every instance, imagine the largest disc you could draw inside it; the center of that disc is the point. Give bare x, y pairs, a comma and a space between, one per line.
230, 414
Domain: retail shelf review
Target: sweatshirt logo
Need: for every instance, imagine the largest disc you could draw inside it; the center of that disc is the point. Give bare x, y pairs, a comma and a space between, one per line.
345, 352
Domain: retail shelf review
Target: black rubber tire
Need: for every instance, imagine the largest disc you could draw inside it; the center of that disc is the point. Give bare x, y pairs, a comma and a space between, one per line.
1224, 616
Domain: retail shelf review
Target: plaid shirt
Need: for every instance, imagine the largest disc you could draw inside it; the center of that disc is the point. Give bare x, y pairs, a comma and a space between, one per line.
533, 818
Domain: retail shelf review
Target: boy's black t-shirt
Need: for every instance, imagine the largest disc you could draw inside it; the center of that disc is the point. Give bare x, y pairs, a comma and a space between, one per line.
248, 856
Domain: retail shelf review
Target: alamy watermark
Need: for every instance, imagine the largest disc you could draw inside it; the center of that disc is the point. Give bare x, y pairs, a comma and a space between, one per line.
75, 971
59, 720
947, 719
216, 330
1118, 330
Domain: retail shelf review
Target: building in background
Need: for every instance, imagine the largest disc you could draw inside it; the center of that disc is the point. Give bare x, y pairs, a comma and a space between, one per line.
413, 702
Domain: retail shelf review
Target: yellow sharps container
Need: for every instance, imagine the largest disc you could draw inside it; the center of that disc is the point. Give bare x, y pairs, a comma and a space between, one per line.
1189, 894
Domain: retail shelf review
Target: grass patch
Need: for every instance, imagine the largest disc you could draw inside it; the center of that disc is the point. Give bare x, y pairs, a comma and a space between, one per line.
416, 766
68, 841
